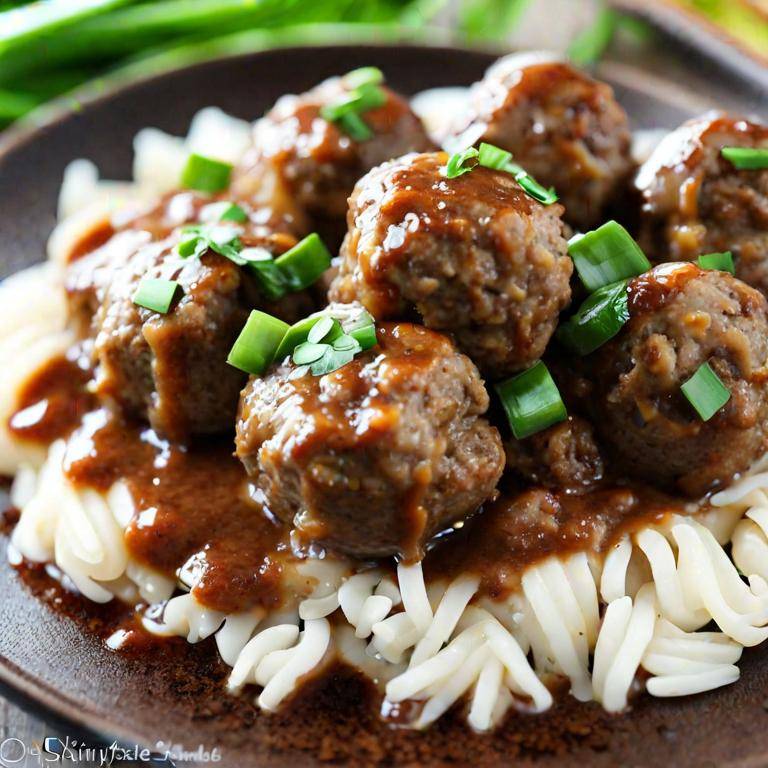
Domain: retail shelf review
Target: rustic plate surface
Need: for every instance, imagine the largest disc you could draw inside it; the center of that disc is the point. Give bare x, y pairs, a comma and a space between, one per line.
56, 661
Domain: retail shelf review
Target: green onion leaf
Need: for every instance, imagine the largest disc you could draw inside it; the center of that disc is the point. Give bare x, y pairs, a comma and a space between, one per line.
331, 361
364, 76
205, 174
346, 342
746, 158
532, 401
491, 156
460, 163
355, 127
255, 347
303, 264
308, 352
296, 334
535, 190
705, 392
322, 328
365, 336
598, 319
156, 294
605, 255
222, 211
722, 262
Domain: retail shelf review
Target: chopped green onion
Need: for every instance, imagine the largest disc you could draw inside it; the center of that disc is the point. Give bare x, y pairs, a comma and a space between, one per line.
255, 347
605, 255
156, 294
223, 211
746, 158
295, 335
308, 352
532, 401
197, 239
323, 328
598, 319
365, 336
355, 127
364, 76
332, 360
205, 174
535, 190
722, 262
491, 156
460, 163
305, 262
345, 342
705, 392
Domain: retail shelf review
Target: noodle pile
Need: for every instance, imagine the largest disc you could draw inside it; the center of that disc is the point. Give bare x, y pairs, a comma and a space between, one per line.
593, 620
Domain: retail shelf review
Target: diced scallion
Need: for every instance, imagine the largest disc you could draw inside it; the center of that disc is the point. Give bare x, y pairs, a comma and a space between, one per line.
205, 174
705, 392
305, 262
746, 158
598, 319
460, 163
531, 401
156, 294
255, 347
722, 262
606, 255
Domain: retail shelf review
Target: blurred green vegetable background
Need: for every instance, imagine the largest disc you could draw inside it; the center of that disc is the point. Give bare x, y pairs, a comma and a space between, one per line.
49, 47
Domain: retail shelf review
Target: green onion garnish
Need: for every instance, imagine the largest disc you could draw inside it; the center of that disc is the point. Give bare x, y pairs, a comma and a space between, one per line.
205, 174
305, 262
355, 127
598, 319
746, 158
156, 294
722, 262
325, 343
490, 156
460, 163
199, 238
223, 211
532, 401
255, 347
364, 76
365, 94
605, 255
705, 392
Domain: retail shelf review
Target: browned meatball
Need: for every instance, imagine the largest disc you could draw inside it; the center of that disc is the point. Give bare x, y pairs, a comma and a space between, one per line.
171, 368
681, 317
564, 456
566, 129
472, 256
316, 163
376, 457
694, 201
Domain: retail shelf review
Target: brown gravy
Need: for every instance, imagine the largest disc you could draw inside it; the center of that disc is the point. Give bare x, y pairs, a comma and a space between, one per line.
195, 503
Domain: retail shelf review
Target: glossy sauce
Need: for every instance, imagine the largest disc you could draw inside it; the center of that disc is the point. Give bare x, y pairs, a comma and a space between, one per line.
654, 289
52, 403
192, 503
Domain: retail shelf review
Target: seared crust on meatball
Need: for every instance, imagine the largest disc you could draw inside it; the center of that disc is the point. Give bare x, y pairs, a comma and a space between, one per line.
694, 201
171, 369
313, 161
681, 317
564, 456
473, 256
379, 455
566, 129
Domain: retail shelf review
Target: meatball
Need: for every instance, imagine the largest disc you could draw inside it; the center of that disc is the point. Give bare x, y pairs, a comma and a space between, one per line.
564, 456
311, 160
695, 201
566, 129
171, 368
473, 256
376, 457
681, 317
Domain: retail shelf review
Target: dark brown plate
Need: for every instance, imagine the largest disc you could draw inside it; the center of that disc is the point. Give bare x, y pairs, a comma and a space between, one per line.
56, 661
